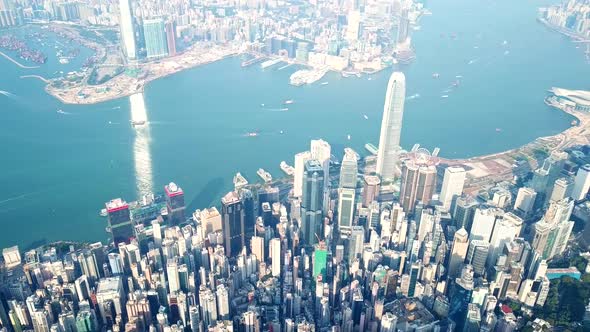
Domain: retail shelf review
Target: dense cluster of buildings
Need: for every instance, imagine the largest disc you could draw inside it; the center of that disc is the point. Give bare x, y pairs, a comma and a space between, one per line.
572, 15
400, 248
360, 35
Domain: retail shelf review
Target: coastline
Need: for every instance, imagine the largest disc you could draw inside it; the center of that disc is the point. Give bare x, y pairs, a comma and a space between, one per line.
124, 85
502, 166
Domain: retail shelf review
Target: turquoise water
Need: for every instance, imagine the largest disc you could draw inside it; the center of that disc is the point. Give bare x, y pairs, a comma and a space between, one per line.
60, 168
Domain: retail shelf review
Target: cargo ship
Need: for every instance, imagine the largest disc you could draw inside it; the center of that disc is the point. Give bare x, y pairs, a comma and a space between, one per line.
264, 175
289, 170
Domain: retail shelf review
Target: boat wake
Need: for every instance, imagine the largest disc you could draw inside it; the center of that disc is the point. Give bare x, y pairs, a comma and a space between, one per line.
63, 112
414, 96
7, 94
284, 109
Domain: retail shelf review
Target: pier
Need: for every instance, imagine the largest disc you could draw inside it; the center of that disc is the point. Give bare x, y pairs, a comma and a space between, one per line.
16, 62
36, 76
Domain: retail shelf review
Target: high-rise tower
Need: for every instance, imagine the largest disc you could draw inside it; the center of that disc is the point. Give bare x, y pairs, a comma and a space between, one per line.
127, 30
119, 218
391, 126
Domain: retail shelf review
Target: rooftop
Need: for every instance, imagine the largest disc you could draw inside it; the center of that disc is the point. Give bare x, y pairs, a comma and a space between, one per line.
116, 204
108, 285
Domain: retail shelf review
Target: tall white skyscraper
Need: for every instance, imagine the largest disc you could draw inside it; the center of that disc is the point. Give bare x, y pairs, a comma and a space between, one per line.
349, 169
484, 220
581, 183
525, 200
275, 254
452, 186
321, 151
458, 252
173, 278
222, 302
391, 126
506, 229
127, 30
300, 160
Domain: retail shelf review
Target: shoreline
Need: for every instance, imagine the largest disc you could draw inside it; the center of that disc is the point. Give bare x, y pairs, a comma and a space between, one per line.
20, 65
124, 86
493, 168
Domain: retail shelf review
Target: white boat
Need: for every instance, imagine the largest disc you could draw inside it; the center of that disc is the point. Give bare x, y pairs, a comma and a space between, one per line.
289, 102
103, 213
324, 83
285, 109
506, 52
64, 61
261, 105
164, 211
365, 116
444, 96
348, 136
505, 42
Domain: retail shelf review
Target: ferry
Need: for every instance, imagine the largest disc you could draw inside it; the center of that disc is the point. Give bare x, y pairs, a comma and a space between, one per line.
289, 102
264, 175
289, 170
239, 181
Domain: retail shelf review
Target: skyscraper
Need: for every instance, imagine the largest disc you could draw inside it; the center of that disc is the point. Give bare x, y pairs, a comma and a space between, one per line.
581, 183
458, 253
370, 189
312, 201
418, 182
505, 230
391, 126
175, 203
127, 29
154, 32
525, 201
321, 151
119, 219
233, 224
300, 160
483, 223
452, 185
346, 199
171, 38
477, 256
348, 169
561, 189
275, 255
